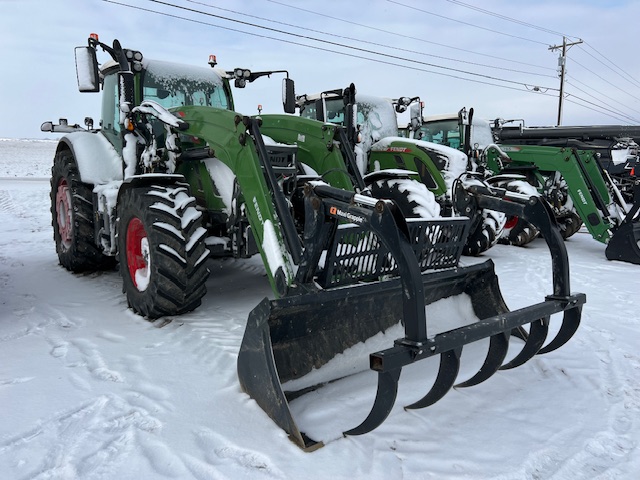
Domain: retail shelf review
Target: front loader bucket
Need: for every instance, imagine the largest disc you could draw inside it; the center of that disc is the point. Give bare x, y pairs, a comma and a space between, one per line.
289, 342
624, 245
288, 338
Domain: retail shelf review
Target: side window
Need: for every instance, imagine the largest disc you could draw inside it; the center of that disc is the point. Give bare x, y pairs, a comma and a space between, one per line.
110, 111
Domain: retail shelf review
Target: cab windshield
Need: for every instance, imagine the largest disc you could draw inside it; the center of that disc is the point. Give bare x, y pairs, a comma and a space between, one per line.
445, 132
172, 85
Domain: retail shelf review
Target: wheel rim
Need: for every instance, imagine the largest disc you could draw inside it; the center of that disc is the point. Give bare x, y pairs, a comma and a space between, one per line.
63, 214
511, 222
138, 254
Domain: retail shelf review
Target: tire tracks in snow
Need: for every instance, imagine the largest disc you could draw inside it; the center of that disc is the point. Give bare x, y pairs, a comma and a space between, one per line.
595, 449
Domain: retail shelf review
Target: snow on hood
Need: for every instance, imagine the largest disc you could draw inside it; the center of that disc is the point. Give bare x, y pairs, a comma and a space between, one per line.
456, 162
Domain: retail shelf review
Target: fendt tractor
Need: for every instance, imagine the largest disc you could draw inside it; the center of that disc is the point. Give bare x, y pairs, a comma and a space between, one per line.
568, 175
372, 132
174, 176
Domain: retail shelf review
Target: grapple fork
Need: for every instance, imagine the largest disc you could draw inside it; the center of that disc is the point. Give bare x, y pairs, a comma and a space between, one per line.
388, 282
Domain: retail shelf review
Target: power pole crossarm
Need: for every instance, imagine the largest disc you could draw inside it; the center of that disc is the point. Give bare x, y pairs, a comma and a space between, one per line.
562, 60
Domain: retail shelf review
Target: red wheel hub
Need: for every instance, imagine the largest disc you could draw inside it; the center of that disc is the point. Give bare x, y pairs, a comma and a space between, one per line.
511, 222
63, 214
138, 254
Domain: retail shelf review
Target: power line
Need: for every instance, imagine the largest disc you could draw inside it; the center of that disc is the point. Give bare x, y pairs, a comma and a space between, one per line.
406, 36
610, 107
371, 43
466, 23
349, 47
626, 76
289, 42
598, 106
509, 19
605, 80
572, 80
596, 110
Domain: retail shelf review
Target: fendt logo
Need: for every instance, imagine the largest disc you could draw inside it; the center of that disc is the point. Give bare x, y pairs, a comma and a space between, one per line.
398, 149
582, 197
346, 215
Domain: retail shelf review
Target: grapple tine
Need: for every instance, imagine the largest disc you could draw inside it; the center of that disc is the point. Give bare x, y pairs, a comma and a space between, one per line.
570, 324
498, 347
535, 340
449, 368
385, 398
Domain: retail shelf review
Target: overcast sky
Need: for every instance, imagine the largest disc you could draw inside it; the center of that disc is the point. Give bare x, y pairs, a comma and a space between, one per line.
491, 55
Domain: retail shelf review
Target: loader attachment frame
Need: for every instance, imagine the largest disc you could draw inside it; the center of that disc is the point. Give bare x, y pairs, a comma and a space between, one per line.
624, 245
287, 338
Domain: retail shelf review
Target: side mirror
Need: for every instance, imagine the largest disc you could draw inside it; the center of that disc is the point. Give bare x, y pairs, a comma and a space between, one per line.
87, 69
463, 117
415, 114
288, 95
46, 127
320, 110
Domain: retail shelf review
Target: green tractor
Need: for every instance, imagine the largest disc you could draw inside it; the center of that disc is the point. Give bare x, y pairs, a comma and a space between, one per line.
616, 145
174, 177
572, 180
375, 140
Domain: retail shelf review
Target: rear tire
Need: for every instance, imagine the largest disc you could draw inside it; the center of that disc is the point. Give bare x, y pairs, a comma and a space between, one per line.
72, 218
161, 250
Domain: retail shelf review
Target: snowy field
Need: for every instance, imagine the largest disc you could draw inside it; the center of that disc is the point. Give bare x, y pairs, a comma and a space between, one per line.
88, 390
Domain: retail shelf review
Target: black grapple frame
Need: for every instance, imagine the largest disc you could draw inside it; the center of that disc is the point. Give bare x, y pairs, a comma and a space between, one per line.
394, 267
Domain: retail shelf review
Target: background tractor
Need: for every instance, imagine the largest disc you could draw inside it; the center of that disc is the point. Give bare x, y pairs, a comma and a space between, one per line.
571, 179
615, 145
373, 136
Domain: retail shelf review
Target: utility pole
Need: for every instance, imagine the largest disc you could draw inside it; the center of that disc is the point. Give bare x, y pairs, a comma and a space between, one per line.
562, 60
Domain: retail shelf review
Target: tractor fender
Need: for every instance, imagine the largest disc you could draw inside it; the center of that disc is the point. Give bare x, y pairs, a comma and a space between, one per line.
98, 161
163, 179
505, 177
387, 173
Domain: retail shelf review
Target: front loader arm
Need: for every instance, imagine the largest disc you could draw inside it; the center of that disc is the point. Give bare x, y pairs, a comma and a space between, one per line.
584, 181
228, 136
315, 142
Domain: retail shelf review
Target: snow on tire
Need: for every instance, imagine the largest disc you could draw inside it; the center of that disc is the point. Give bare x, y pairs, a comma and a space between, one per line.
73, 219
486, 233
162, 251
412, 197
518, 231
556, 191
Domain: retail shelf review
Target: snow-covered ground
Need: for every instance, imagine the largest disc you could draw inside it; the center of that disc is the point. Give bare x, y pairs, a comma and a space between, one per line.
88, 390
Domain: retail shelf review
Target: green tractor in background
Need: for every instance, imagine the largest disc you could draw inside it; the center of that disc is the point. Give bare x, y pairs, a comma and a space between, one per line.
572, 180
615, 145
374, 140
174, 176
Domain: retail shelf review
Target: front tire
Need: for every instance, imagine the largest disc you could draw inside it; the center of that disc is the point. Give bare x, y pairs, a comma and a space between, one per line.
517, 231
485, 234
73, 218
556, 192
161, 250
413, 198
